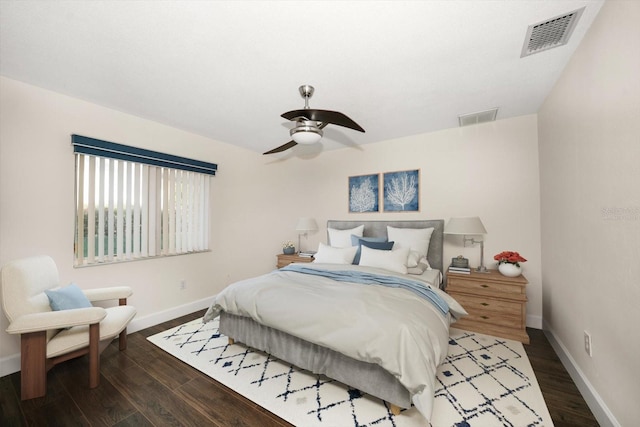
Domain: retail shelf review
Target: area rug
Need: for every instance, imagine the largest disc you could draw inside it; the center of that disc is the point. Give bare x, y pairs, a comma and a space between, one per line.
485, 381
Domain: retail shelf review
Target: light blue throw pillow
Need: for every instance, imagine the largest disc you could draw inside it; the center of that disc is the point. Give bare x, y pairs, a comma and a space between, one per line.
67, 298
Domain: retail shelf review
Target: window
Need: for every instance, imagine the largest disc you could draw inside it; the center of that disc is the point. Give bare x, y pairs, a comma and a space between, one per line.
134, 204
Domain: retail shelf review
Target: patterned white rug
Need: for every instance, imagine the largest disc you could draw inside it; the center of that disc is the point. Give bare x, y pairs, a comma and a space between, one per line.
485, 381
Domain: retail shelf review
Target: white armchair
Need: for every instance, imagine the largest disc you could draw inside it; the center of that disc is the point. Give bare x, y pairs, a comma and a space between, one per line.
51, 337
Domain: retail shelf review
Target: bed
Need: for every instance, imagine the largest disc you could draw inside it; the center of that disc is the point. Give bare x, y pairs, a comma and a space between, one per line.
255, 313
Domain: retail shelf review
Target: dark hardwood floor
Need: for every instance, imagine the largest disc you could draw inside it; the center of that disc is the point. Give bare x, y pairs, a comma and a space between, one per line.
565, 403
144, 386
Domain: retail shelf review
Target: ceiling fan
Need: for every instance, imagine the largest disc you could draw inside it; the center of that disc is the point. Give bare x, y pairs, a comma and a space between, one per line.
310, 122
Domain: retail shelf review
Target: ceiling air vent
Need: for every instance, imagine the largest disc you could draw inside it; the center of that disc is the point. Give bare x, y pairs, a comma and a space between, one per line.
551, 33
479, 117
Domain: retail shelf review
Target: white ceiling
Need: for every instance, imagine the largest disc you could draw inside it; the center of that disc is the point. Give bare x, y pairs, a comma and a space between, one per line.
228, 69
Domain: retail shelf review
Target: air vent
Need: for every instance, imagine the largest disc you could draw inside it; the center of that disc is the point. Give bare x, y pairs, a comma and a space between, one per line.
551, 33
479, 117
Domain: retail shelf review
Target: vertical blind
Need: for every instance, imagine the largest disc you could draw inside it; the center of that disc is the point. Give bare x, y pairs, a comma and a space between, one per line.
133, 203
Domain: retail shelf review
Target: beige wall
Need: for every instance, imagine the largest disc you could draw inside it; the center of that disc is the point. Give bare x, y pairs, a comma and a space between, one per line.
489, 170
589, 130
36, 210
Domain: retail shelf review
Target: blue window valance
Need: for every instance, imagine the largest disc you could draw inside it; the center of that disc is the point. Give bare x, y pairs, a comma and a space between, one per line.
97, 147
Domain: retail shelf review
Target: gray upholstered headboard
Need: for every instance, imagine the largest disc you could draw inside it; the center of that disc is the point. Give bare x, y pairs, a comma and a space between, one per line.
379, 229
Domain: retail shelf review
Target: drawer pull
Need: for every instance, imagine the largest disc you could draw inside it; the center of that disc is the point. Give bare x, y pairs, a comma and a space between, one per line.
485, 304
484, 317
484, 286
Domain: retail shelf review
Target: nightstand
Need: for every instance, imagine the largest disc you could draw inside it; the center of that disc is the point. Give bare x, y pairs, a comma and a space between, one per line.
496, 304
284, 260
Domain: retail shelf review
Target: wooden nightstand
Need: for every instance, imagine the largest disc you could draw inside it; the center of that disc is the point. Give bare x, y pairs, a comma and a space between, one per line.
288, 259
496, 304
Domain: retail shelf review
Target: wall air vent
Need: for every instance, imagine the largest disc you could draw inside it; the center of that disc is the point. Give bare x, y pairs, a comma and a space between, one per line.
479, 117
551, 33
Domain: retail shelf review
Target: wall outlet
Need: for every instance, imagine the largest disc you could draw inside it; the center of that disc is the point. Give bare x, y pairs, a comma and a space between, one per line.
587, 343
183, 284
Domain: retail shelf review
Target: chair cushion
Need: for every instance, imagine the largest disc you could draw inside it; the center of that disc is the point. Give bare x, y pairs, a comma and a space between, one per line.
23, 284
78, 337
67, 298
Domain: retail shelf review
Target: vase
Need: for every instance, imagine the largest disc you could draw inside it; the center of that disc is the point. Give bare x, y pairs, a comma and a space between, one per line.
288, 251
509, 270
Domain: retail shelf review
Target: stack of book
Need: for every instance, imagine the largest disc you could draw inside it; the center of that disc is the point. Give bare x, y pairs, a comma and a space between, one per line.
306, 254
459, 270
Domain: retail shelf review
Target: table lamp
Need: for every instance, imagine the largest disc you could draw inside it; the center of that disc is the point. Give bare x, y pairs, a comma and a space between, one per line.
470, 226
304, 226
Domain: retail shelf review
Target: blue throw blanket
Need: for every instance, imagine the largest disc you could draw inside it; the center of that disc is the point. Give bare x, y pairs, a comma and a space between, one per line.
419, 288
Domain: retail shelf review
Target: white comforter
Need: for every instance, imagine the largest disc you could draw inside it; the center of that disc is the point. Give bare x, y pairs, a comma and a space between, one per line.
394, 328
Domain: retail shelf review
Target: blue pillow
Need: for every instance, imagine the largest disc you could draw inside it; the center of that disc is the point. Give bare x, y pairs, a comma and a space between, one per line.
355, 240
370, 242
67, 298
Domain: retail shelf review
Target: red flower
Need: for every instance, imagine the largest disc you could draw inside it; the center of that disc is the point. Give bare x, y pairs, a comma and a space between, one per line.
509, 257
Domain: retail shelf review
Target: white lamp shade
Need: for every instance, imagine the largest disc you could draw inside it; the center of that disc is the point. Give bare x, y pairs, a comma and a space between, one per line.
468, 226
306, 137
306, 224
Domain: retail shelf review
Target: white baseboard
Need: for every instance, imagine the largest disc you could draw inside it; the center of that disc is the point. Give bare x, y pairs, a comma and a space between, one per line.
11, 364
600, 410
141, 323
534, 322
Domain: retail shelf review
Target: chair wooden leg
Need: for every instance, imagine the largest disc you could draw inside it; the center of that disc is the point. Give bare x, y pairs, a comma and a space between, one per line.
33, 365
94, 355
122, 340
122, 343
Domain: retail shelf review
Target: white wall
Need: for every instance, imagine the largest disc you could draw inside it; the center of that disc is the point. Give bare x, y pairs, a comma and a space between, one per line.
489, 170
589, 130
37, 213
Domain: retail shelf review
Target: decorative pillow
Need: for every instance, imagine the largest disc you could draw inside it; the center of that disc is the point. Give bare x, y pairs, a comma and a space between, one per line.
416, 239
395, 260
370, 242
331, 255
423, 265
67, 298
342, 238
355, 240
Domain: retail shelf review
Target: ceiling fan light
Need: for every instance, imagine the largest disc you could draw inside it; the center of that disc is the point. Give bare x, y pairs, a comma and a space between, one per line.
306, 135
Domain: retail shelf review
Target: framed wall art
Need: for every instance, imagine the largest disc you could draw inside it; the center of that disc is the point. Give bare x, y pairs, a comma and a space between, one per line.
364, 193
401, 191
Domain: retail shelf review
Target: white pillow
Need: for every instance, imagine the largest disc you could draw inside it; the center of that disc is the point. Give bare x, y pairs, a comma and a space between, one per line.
395, 260
423, 265
330, 255
342, 238
416, 239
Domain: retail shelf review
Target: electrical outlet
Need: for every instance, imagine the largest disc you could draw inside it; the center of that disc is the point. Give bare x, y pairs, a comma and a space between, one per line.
183, 284
587, 343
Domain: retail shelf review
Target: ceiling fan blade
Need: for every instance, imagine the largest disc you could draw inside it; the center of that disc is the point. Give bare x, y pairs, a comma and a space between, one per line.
296, 115
281, 148
325, 116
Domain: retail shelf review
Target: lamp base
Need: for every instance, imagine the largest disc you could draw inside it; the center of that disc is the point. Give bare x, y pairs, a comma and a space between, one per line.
482, 269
